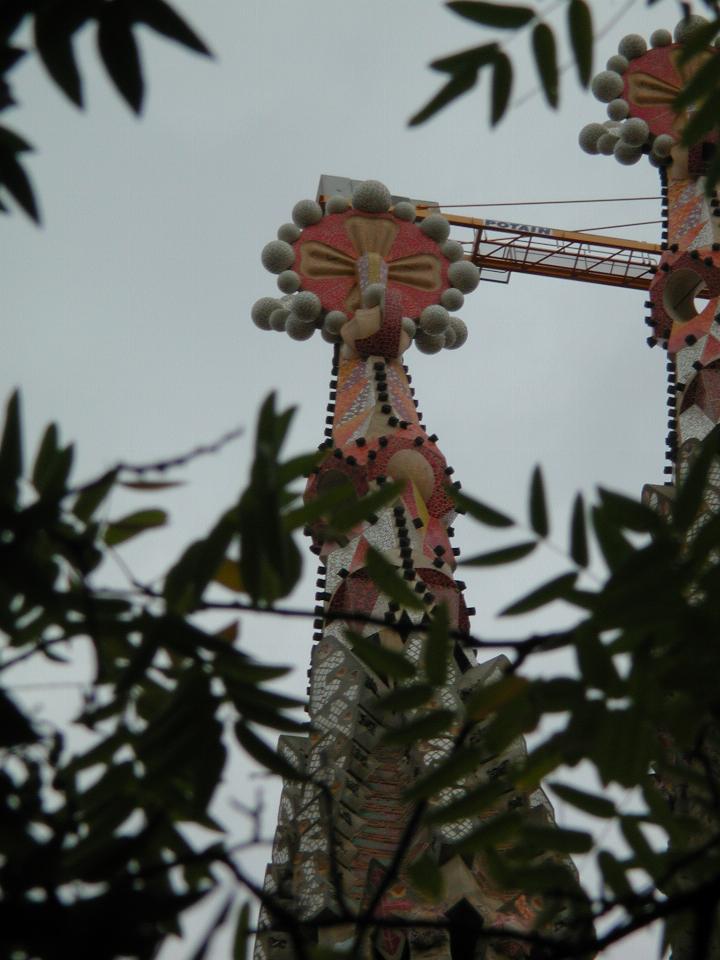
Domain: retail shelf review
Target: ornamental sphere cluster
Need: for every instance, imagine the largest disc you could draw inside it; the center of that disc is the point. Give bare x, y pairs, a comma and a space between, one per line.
331, 262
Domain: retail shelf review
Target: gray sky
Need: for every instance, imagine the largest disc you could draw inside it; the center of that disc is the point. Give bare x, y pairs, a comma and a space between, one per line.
126, 318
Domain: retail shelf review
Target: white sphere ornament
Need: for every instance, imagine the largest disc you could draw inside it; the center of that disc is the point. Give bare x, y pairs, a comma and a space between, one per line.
607, 86
461, 332
288, 232
660, 38
373, 295
297, 328
662, 145
337, 204
427, 343
307, 306
452, 299
452, 250
632, 46
434, 320
409, 326
261, 311
277, 256
334, 321
436, 227
278, 319
618, 63
450, 337
404, 210
688, 26
464, 275
371, 196
328, 336
307, 212
618, 109
626, 154
634, 132
606, 143
288, 281
589, 136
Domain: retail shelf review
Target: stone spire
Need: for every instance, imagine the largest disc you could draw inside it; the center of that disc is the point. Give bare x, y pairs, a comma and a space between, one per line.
373, 281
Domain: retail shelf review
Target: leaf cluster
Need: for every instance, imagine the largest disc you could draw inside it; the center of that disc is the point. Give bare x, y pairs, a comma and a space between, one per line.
55, 24
464, 68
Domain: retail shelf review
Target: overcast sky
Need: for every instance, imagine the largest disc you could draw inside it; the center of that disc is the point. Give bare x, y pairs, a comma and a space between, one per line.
126, 317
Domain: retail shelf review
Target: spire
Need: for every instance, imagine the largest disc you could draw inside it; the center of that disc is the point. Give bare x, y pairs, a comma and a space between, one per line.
374, 281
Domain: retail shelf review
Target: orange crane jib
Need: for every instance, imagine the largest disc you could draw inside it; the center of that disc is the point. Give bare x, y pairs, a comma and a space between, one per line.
501, 247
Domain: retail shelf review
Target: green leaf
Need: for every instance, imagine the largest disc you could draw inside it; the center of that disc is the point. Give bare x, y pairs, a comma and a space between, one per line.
189, 576
228, 576
92, 494
544, 49
146, 485
299, 466
15, 728
384, 662
437, 646
11, 457
492, 696
475, 803
44, 460
447, 773
502, 15
691, 491
560, 588
164, 20
492, 833
54, 26
385, 576
587, 802
118, 531
629, 513
616, 550
646, 857
406, 698
501, 87
12, 142
264, 754
467, 61
701, 37
580, 28
578, 533
480, 511
426, 877
242, 933
702, 120
614, 874
460, 83
119, 53
358, 509
423, 728
560, 839
505, 555
701, 84
16, 181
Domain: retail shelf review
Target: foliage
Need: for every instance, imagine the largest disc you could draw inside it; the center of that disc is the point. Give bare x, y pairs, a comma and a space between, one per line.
465, 68
97, 859
55, 25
